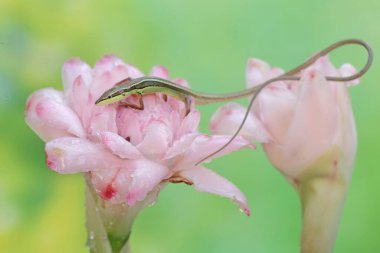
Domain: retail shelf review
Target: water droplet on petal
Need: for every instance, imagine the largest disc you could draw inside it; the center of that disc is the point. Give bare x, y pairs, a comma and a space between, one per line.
91, 235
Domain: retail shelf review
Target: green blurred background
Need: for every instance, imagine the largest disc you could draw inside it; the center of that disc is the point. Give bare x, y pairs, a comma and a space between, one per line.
208, 43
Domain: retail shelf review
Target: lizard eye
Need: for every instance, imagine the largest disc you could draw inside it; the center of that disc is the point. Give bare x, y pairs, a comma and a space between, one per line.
109, 96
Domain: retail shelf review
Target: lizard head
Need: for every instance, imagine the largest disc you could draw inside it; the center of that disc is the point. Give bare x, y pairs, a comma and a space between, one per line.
121, 90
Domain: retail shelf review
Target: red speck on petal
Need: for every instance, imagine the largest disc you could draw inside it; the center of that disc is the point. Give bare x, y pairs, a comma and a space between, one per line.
51, 164
108, 193
40, 110
227, 111
335, 163
28, 104
247, 211
312, 75
213, 126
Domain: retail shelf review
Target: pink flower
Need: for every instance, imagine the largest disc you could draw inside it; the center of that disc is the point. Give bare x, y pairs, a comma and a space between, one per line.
308, 133
126, 153
298, 122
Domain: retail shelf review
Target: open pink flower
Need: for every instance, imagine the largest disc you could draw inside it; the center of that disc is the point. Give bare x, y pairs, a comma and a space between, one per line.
127, 153
298, 122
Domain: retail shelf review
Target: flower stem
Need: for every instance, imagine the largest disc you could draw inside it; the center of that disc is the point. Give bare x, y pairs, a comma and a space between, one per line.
322, 192
109, 225
322, 201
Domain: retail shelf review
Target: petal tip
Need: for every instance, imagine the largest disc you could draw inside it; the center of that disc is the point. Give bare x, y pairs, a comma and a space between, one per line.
246, 211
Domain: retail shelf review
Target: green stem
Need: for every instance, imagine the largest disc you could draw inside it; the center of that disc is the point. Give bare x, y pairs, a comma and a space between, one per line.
322, 202
322, 189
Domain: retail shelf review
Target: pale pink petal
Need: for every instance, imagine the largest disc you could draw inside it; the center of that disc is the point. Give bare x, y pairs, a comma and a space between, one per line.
152, 104
74, 68
227, 119
157, 139
133, 72
103, 119
112, 183
122, 181
146, 176
129, 125
118, 145
205, 180
108, 71
257, 71
189, 124
204, 145
81, 100
313, 125
324, 66
48, 115
180, 145
71, 155
106, 64
159, 71
276, 106
349, 70
346, 136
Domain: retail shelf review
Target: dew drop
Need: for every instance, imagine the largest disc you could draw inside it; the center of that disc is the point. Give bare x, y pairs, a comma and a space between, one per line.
91, 235
91, 240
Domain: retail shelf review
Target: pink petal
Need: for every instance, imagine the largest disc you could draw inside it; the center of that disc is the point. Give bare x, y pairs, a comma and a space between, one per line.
103, 119
204, 145
180, 145
103, 182
106, 64
157, 139
74, 68
346, 136
349, 70
275, 109
108, 71
324, 66
312, 128
159, 71
129, 125
189, 124
145, 177
228, 119
205, 180
48, 115
257, 71
122, 181
70, 155
118, 145
81, 100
